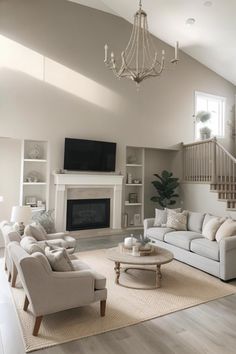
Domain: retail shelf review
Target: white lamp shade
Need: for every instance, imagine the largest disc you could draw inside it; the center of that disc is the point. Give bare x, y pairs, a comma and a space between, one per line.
21, 214
1, 199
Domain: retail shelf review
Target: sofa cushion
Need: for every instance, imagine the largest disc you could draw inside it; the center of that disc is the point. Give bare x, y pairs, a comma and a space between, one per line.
210, 228
206, 248
207, 218
195, 221
227, 229
58, 259
37, 231
160, 217
79, 265
177, 221
30, 245
158, 233
181, 239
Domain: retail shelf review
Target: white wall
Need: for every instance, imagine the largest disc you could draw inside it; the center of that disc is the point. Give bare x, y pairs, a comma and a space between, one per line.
197, 197
54, 84
10, 163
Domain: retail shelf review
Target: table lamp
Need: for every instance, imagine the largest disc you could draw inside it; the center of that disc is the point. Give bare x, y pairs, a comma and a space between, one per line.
21, 216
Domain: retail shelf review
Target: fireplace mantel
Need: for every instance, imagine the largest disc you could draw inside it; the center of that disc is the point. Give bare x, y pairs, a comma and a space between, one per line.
65, 181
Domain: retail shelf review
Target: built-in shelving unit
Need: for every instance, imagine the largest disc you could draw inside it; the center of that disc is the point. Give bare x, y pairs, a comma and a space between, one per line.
35, 174
134, 171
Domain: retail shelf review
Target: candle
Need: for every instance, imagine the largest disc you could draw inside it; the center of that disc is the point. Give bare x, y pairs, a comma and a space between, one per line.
106, 51
176, 50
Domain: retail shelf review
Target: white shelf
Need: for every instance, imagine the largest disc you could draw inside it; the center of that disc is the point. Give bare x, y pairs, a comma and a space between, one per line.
134, 165
34, 183
34, 160
133, 204
134, 184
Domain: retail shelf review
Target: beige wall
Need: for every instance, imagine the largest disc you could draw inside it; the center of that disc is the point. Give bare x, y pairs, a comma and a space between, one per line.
10, 154
197, 197
54, 84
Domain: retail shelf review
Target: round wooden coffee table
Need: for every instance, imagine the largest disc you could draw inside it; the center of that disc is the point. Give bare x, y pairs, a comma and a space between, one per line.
158, 257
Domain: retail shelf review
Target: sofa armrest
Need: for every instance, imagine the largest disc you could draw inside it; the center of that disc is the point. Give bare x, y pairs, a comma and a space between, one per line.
147, 223
228, 258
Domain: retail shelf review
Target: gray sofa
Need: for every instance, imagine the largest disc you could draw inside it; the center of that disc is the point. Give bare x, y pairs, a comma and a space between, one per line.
218, 259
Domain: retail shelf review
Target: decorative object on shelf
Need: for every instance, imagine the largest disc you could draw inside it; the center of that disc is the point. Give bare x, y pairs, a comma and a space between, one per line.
31, 201
45, 218
40, 203
129, 178
205, 133
137, 219
137, 181
132, 159
129, 242
133, 198
35, 152
139, 59
165, 186
21, 216
34, 177
125, 220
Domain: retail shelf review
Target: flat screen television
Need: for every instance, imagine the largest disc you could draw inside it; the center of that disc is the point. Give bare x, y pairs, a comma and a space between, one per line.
89, 155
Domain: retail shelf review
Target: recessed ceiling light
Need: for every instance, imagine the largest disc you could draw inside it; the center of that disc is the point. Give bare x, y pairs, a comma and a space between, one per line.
208, 3
190, 21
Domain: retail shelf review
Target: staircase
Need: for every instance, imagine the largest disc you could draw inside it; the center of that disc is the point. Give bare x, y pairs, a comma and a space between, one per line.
209, 162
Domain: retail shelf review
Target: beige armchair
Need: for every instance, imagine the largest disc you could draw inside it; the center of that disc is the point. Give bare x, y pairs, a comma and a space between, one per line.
61, 239
49, 292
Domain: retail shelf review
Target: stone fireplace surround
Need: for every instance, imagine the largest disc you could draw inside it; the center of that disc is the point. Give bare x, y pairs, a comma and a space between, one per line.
88, 186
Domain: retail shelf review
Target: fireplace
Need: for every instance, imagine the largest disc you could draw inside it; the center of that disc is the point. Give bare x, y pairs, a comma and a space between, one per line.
85, 214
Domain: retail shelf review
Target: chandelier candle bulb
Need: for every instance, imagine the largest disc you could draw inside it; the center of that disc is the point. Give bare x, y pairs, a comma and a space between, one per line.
106, 52
176, 50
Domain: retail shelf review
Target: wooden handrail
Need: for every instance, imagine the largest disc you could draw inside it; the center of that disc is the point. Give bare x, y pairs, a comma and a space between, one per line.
226, 151
200, 142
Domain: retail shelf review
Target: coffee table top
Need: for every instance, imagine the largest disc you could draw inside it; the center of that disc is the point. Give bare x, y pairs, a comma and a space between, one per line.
158, 257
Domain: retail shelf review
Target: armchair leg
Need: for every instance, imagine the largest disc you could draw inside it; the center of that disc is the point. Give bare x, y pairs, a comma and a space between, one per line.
5, 266
102, 308
26, 303
37, 324
9, 277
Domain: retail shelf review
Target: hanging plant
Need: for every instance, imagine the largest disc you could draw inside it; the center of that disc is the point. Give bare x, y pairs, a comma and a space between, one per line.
165, 185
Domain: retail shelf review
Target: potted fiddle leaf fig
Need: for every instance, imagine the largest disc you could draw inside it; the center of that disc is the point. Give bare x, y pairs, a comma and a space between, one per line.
166, 186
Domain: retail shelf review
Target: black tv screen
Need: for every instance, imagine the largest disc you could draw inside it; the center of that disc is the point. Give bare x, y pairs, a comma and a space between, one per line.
89, 155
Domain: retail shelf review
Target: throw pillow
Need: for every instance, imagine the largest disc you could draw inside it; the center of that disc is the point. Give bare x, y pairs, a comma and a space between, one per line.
58, 259
210, 228
160, 217
195, 221
227, 229
177, 221
37, 231
30, 245
45, 219
207, 218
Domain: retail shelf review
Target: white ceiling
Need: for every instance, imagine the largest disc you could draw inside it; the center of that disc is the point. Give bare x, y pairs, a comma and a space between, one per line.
211, 40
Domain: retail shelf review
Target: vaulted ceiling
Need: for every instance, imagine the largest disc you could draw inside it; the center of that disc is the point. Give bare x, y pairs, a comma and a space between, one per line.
211, 40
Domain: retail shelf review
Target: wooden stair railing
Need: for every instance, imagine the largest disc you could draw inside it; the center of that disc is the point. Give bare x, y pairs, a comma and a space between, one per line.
209, 162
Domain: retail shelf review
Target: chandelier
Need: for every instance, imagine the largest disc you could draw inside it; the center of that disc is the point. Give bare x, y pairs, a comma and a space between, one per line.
139, 60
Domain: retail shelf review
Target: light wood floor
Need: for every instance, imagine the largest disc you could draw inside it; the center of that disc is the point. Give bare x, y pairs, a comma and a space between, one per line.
207, 328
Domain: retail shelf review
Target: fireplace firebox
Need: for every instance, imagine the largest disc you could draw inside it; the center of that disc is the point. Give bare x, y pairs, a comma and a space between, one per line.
83, 214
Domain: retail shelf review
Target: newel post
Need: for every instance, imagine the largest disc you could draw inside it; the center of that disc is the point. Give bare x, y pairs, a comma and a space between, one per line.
213, 161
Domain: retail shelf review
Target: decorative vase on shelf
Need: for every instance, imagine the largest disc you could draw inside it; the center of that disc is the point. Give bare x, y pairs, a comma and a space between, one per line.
34, 152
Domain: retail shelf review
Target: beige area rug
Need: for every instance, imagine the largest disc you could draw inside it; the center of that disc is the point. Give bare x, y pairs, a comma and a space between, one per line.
182, 287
